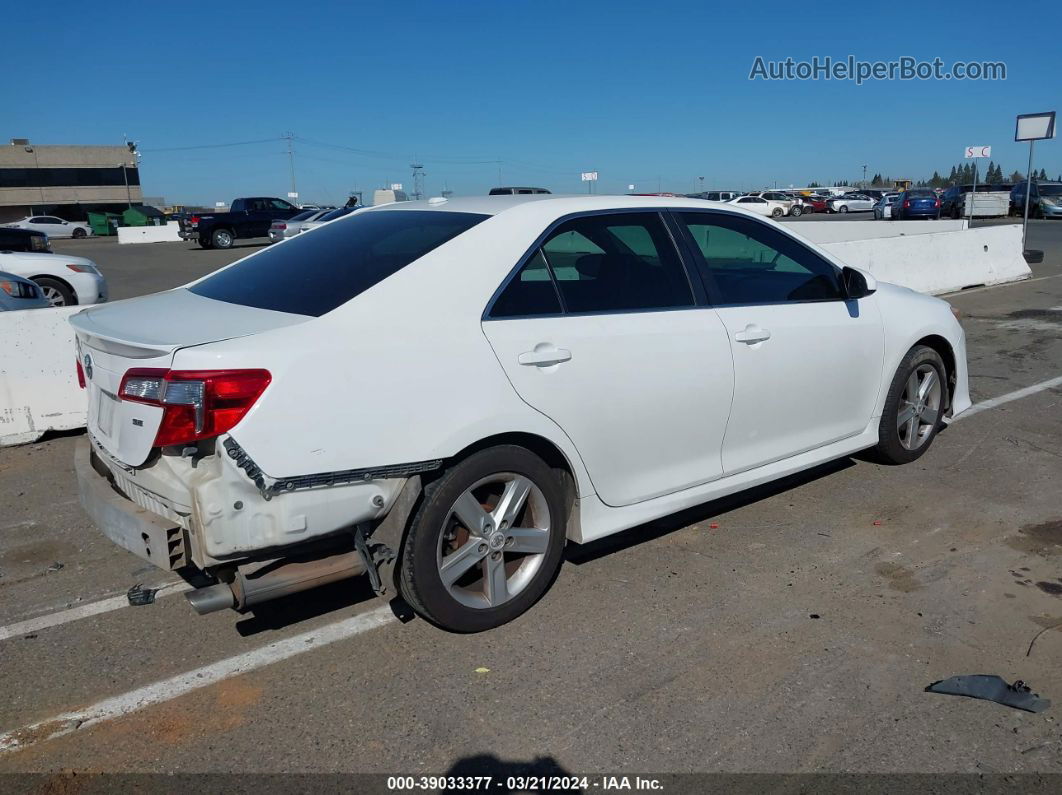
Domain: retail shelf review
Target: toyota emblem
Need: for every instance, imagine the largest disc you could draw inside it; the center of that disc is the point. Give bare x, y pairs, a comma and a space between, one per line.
88, 366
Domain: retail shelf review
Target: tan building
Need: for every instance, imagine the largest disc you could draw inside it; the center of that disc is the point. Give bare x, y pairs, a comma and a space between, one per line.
67, 181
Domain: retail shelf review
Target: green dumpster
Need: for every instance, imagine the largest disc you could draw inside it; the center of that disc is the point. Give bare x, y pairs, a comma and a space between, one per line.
104, 223
142, 215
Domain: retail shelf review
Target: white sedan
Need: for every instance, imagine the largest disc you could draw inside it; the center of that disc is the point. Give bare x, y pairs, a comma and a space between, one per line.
440, 394
761, 206
63, 279
53, 227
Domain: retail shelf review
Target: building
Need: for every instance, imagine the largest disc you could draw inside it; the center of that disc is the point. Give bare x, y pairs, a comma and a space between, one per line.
66, 181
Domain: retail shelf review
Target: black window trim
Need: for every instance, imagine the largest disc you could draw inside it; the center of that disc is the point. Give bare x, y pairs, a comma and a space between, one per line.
696, 288
704, 272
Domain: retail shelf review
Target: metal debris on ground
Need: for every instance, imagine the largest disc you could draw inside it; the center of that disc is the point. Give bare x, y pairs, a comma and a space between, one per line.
139, 595
55, 566
992, 688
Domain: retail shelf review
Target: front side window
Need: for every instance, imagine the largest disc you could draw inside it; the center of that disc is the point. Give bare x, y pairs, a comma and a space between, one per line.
617, 262
749, 263
280, 204
313, 274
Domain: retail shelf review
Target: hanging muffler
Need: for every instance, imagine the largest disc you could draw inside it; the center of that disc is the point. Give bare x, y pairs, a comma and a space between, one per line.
263, 581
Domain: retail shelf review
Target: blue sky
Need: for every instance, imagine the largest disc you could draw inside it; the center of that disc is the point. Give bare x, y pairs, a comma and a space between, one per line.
654, 94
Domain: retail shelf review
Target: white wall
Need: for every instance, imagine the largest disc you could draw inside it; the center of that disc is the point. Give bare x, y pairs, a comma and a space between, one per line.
38, 375
838, 231
938, 262
149, 234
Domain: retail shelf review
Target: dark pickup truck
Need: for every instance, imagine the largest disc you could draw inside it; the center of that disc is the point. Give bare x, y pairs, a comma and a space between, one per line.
250, 217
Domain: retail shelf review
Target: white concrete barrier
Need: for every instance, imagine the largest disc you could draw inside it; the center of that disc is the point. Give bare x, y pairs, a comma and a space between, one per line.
150, 234
938, 262
38, 375
838, 231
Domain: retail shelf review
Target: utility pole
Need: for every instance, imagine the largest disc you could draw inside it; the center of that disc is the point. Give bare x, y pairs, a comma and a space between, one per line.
864, 176
418, 181
290, 136
702, 183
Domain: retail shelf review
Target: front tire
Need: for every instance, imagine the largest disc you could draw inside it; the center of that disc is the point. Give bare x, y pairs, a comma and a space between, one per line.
797, 211
914, 407
486, 542
843, 208
79, 233
57, 293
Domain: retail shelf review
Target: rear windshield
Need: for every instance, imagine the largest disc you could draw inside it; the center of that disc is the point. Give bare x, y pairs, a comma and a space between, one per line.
312, 274
921, 194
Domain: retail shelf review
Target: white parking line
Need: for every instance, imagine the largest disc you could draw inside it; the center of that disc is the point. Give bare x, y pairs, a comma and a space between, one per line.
81, 611
992, 403
178, 685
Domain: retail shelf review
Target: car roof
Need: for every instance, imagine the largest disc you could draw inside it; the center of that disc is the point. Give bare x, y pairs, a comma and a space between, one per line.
561, 204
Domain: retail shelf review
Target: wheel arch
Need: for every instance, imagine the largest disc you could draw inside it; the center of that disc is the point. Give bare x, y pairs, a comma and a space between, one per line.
58, 279
947, 354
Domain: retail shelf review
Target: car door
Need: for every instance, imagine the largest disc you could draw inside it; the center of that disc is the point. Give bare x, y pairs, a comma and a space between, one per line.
600, 330
807, 361
755, 204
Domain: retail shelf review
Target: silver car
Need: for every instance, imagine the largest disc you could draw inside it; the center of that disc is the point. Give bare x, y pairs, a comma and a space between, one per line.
292, 226
883, 207
18, 293
850, 203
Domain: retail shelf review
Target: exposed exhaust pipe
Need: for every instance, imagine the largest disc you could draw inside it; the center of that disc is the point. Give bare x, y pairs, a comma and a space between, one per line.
260, 582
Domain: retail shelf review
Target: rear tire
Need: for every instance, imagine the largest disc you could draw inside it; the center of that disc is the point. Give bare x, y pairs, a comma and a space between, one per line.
57, 293
914, 407
222, 238
843, 208
777, 212
797, 211
504, 572
205, 243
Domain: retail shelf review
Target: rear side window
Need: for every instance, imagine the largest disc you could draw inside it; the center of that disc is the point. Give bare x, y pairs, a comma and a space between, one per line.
312, 274
617, 262
531, 292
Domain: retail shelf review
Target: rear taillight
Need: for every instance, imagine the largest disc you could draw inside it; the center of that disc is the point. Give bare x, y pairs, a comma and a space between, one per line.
280, 226
80, 374
197, 404
193, 220
906, 203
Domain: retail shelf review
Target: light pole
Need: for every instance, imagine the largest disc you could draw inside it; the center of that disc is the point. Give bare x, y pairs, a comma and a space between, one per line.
125, 178
864, 176
702, 183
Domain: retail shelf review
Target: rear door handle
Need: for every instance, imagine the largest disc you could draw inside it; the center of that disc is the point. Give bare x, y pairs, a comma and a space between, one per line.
752, 334
544, 357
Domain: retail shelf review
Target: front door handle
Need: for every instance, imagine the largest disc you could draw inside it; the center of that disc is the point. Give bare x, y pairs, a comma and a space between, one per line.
544, 357
752, 334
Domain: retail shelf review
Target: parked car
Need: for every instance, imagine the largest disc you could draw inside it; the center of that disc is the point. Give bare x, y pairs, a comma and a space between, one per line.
1045, 199
17, 293
283, 422
52, 226
883, 206
508, 191
916, 203
246, 218
873, 193
64, 280
760, 206
331, 215
719, 195
13, 239
279, 230
850, 203
792, 205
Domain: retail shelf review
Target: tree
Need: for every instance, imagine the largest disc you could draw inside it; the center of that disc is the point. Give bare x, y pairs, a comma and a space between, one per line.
814, 185
876, 181
1015, 177
1043, 175
953, 177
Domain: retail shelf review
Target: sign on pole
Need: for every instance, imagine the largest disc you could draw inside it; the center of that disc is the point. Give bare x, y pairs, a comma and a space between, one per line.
978, 151
1032, 127
589, 176
396, 186
292, 194
630, 187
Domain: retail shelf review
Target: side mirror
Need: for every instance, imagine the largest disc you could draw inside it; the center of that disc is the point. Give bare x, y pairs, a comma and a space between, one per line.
857, 283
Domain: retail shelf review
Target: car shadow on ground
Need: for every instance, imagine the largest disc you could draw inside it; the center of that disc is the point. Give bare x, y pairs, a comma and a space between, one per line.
502, 771
302, 606
586, 553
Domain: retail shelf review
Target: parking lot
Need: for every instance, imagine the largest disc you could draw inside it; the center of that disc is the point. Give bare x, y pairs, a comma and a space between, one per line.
791, 629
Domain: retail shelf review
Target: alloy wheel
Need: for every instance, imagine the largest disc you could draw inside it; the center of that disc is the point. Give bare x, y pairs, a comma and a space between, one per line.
53, 296
494, 540
919, 409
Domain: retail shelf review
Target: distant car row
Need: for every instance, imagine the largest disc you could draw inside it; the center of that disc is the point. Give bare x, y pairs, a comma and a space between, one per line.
308, 219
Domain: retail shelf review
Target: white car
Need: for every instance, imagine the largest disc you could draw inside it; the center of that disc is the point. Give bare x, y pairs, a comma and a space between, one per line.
883, 206
441, 393
850, 203
63, 279
761, 206
281, 230
53, 227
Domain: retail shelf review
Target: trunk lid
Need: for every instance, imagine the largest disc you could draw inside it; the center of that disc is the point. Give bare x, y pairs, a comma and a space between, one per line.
145, 333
